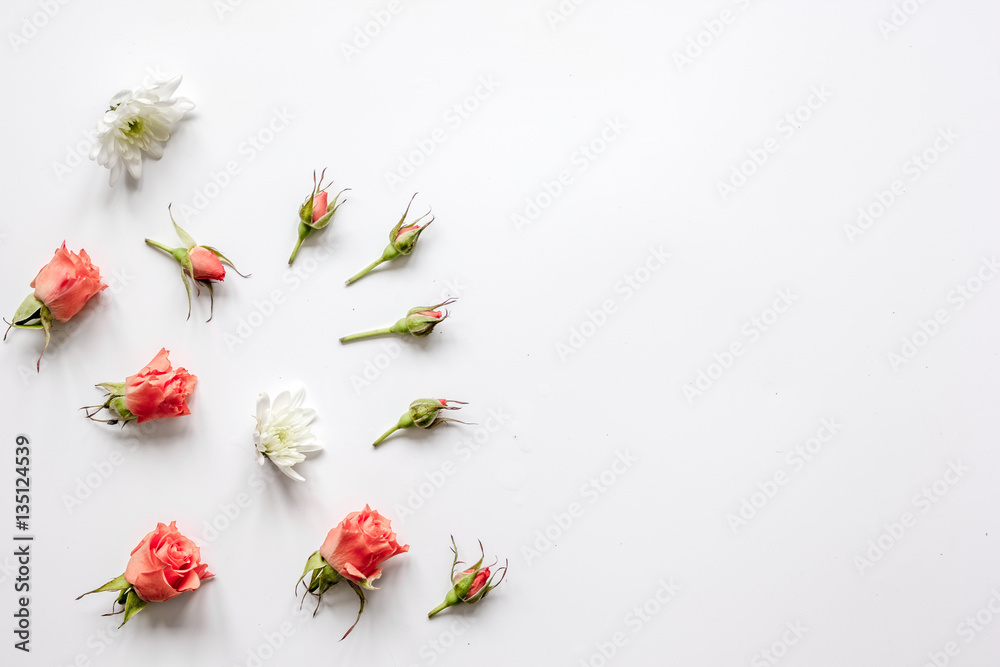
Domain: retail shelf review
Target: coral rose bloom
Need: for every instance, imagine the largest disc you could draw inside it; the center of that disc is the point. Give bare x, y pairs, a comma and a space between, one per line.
67, 282
359, 544
159, 390
165, 564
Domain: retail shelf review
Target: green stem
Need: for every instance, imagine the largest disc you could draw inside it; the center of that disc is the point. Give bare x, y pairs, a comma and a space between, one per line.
295, 252
386, 435
441, 607
155, 244
367, 334
360, 274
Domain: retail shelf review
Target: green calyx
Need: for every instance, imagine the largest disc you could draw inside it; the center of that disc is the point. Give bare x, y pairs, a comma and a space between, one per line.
115, 403
32, 314
404, 243
322, 577
127, 598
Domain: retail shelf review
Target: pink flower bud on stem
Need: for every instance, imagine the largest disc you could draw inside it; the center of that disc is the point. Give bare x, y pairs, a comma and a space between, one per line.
402, 241
419, 322
201, 264
315, 213
471, 585
423, 413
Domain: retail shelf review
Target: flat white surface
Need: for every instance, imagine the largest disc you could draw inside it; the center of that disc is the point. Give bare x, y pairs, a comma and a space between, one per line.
565, 398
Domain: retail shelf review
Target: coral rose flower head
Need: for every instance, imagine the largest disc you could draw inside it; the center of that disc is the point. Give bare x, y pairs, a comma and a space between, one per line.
353, 551
402, 241
201, 264
62, 288
163, 565
315, 213
471, 585
359, 544
158, 391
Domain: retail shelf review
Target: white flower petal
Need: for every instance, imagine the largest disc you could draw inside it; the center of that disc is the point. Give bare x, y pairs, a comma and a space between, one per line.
134, 165
283, 435
138, 123
263, 407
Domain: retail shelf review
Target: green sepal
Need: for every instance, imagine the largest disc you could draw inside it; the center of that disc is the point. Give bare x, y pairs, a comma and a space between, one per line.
133, 605
185, 238
30, 309
315, 561
113, 388
116, 584
187, 288
399, 225
323, 579
361, 596
325, 220
306, 210
46, 317
119, 407
225, 259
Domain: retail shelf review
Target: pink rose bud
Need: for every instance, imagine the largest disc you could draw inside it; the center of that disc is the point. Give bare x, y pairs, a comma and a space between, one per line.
319, 206
423, 413
353, 551
402, 241
314, 213
479, 580
62, 288
158, 391
471, 585
419, 322
206, 265
163, 565
201, 264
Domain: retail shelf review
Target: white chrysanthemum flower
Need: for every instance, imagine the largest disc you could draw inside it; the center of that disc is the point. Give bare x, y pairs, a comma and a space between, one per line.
283, 432
138, 122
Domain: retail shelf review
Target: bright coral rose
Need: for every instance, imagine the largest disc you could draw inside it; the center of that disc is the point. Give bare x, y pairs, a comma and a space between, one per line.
67, 282
359, 544
165, 564
158, 390
205, 264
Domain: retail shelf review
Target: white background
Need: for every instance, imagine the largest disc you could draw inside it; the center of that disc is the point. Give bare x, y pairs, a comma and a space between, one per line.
572, 396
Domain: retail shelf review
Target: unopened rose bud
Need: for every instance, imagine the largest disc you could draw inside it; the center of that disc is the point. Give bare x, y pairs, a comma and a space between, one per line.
419, 322
402, 240
201, 264
314, 213
423, 413
471, 585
